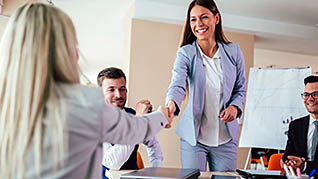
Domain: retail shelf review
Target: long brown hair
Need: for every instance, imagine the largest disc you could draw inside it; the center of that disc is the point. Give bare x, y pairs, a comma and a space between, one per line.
189, 37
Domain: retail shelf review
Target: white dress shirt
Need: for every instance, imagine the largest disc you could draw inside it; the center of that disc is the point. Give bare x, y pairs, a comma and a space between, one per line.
213, 131
115, 156
311, 129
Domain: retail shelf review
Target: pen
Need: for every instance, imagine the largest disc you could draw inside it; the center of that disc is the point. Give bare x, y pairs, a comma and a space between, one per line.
312, 173
286, 170
298, 172
291, 171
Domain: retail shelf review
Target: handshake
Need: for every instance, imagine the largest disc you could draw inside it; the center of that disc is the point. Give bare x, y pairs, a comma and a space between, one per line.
145, 106
168, 111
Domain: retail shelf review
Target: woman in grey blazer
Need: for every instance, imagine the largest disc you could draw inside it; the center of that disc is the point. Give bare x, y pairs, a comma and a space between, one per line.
211, 69
50, 125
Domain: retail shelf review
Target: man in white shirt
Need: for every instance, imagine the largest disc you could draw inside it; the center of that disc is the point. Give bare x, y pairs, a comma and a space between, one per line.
301, 149
113, 82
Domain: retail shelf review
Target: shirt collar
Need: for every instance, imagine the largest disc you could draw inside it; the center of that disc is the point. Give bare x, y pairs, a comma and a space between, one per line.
215, 57
311, 120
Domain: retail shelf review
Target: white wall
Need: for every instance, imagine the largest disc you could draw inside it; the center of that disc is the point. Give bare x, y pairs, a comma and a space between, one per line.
102, 32
265, 58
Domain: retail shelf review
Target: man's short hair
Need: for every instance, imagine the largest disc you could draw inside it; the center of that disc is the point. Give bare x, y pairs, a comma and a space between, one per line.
110, 73
311, 79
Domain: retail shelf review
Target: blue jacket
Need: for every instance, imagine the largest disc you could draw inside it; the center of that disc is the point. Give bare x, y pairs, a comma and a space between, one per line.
188, 71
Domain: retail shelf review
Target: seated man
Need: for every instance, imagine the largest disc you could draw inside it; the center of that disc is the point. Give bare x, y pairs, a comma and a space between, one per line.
113, 82
303, 133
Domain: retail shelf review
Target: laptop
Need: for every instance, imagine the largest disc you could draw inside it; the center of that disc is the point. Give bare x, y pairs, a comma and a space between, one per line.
225, 177
261, 174
163, 173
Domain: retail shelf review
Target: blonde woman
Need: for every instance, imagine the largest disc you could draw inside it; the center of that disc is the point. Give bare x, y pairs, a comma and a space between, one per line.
50, 126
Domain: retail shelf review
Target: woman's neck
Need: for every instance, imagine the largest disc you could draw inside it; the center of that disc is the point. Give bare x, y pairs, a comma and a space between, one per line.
208, 47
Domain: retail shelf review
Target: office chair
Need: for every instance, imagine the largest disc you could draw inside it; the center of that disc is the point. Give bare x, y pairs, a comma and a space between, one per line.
274, 162
140, 163
259, 158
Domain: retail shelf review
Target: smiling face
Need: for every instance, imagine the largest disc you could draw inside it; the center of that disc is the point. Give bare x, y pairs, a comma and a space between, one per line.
311, 103
203, 22
115, 91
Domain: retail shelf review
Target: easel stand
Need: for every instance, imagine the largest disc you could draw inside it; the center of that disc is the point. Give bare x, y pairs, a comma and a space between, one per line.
247, 158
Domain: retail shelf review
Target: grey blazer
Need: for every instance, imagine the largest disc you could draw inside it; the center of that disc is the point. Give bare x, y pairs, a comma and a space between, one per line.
188, 70
90, 123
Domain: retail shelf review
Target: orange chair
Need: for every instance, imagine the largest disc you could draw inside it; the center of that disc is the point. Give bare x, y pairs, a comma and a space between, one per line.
258, 161
140, 163
274, 162
259, 158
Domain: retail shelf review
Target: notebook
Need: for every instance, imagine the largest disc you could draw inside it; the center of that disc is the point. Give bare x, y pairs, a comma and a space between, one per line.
260, 174
163, 173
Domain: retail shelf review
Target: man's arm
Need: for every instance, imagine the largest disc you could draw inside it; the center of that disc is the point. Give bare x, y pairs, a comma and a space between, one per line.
289, 150
310, 166
154, 152
115, 156
297, 162
290, 157
152, 145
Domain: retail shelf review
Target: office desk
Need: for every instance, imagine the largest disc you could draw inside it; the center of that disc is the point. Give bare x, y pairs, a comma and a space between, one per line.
204, 175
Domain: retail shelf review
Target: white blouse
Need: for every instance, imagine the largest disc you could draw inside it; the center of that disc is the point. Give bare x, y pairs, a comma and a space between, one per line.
213, 131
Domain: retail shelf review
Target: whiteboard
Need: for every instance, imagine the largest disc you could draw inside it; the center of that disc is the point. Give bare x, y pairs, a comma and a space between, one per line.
273, 100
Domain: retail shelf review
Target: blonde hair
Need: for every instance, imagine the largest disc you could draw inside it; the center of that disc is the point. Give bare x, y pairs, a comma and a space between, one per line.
38, 53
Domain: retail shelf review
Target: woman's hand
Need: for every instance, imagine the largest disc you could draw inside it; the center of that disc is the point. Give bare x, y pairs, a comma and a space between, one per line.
229, 114
172, 108
165, 112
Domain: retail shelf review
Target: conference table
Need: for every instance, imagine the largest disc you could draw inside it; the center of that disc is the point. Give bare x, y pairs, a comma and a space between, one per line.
203, 175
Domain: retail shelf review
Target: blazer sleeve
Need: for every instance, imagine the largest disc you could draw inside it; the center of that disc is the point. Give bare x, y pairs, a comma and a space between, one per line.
310, 166
239, 90
154, 152
290, 150
119, 127
177, 88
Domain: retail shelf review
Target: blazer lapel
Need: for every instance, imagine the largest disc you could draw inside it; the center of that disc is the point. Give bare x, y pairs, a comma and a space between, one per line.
303, 130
